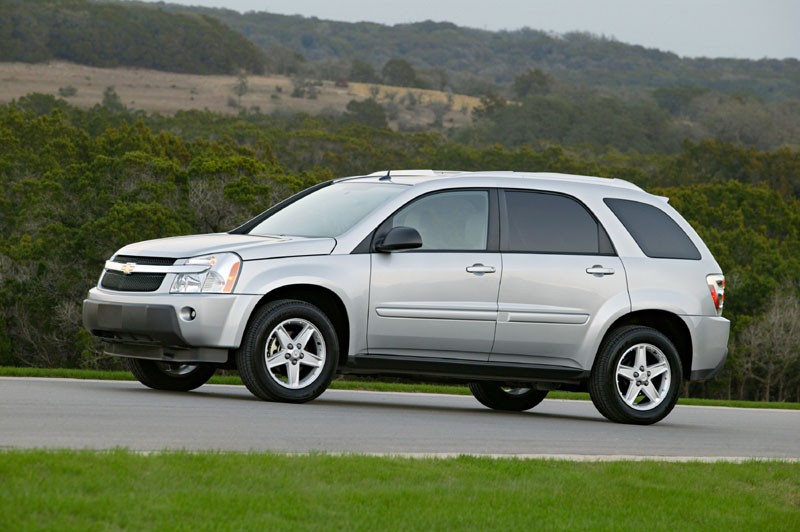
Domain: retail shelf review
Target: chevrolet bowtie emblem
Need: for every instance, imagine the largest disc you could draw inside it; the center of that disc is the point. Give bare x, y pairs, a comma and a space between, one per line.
128, 268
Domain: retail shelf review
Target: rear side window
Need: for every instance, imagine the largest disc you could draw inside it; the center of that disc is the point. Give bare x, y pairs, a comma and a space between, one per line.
658, 235
539, 222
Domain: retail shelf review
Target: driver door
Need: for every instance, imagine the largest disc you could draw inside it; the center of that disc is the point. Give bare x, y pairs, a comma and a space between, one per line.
440, 300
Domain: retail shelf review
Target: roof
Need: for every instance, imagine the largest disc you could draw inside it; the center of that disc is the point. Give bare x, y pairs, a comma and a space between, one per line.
411, 177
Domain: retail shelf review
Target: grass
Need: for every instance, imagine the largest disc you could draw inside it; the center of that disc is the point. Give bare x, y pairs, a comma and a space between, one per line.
369, 385
168, 92
86, 490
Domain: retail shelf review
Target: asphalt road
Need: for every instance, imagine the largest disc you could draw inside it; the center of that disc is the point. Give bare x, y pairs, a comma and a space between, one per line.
62, 413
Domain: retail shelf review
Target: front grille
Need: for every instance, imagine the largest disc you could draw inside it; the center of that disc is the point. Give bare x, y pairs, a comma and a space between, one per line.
135, 282
145, 261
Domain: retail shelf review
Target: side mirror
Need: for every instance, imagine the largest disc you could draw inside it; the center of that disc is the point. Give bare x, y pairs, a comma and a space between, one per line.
399, 238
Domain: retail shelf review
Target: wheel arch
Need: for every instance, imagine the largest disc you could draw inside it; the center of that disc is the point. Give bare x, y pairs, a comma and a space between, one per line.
323, 298
669, 324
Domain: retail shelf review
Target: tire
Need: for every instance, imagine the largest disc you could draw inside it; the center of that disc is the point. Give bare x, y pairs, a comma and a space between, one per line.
172, 377
499, 397
272, 364
636, 377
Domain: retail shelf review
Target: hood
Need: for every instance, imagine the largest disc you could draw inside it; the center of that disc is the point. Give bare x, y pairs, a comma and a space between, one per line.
248, 247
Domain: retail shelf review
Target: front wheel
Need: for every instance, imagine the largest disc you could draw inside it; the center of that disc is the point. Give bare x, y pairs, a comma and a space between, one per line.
289, 352
501, 397
636, 378
174, 377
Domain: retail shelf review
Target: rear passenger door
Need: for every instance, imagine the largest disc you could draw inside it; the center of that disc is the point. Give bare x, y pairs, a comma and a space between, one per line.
561, 278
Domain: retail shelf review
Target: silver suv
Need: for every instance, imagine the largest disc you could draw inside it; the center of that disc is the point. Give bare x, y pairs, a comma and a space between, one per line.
514, 283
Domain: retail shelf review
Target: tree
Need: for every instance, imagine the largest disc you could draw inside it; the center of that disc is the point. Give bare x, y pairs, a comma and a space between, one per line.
112, 101
367, 112
491, 104
240, 88
399, 72
534, 81
363, 71
772, 345
282, 60
676, 99
111, 35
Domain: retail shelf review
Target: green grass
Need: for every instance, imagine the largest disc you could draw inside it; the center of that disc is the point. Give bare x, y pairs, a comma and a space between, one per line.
85, 490
366, 384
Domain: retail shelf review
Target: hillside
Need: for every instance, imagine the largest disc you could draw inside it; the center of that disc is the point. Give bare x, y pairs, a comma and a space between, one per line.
471, 59
534, 88
110, 35
200, 40
154, 91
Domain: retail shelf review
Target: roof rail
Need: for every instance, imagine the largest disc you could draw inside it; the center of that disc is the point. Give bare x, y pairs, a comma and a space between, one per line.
407, 173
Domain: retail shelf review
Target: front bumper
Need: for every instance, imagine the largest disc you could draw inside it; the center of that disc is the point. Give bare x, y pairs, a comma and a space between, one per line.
156, 324
175, 327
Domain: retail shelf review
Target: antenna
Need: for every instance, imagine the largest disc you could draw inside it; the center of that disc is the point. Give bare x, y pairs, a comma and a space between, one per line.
387, 177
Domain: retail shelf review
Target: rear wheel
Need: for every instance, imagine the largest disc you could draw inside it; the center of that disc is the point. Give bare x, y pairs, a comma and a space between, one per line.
501, 397
289, 352
170, 376
636, 378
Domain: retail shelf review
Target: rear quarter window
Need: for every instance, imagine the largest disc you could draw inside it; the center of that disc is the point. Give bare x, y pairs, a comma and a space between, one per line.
656, 233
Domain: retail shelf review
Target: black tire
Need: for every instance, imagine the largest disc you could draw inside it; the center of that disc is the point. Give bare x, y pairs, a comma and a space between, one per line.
625, 385
294, 374
500, 397
172, 377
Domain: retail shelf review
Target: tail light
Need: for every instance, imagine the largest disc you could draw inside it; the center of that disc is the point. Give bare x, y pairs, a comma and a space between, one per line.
716, 284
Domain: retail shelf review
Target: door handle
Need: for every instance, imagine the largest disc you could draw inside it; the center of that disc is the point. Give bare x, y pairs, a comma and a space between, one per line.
480, 268
598, 271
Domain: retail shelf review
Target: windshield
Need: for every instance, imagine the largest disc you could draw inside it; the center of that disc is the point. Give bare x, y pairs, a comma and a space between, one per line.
328, 212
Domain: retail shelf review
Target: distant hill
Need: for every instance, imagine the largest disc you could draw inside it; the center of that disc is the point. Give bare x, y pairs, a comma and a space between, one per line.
135, 35
198, 40
535, 88
497, 57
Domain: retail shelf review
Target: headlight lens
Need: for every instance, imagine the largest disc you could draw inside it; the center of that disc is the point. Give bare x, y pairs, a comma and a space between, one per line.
220, 278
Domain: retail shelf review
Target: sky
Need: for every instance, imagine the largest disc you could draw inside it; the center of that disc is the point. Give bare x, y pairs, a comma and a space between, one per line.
750, 29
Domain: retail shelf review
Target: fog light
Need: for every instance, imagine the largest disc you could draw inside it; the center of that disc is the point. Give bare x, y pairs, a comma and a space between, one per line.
188, 314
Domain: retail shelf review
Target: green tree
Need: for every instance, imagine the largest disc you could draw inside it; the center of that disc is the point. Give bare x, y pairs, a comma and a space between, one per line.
241, 87
491, 104
283, 60
363, 71
110, 35
676, 99
399, 72
112, 101
367, 112
533, 81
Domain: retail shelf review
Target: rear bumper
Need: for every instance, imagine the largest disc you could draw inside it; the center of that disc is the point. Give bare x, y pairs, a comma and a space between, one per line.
709, 345
708, 374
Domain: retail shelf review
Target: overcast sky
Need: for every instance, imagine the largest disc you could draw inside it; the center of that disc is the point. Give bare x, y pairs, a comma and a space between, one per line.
713, 28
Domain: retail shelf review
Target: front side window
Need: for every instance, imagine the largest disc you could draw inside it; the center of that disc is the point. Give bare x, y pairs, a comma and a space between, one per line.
448, 221
539, 222
658, 235
329, 211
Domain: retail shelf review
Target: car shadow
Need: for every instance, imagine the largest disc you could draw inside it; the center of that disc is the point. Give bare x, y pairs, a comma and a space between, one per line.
412, 404
477, 409
235, 393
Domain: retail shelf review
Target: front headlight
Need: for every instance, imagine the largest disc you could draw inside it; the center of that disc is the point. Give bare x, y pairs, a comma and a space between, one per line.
219, 278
